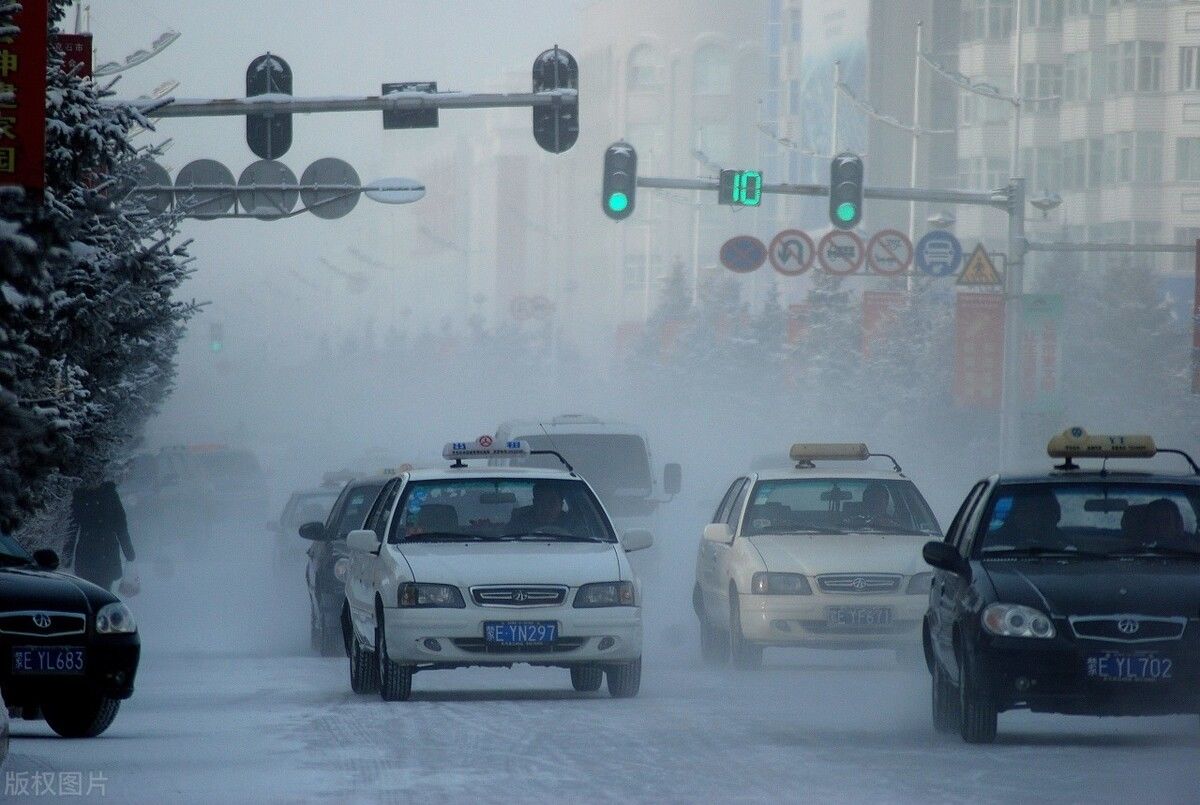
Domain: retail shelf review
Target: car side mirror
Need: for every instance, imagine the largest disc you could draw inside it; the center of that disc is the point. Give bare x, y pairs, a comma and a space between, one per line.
364, 539
672, 479
637, 539
946, 557
718, 532
314, 531
46, 559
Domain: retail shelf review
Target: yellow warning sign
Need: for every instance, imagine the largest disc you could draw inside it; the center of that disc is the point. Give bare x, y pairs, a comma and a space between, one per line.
979, 270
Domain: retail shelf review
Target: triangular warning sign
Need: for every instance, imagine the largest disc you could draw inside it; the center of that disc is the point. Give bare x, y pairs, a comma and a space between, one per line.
979, 269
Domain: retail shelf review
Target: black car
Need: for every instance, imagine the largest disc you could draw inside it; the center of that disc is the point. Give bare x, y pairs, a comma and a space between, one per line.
328, 559
1075, 591
68, 649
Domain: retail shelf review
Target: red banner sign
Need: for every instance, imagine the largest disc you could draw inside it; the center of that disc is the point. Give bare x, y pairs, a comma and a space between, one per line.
23, 99
978, 349
1196, 328
879, 311
77, 50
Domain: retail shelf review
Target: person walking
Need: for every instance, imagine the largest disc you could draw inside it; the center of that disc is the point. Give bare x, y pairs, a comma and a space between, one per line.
101, 535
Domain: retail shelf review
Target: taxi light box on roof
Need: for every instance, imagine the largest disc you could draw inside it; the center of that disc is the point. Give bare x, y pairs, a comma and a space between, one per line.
1078, 443
476, 449
813, 451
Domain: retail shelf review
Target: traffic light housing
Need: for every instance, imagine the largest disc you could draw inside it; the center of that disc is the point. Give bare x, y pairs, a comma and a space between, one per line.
216, 337
269, 136
556, 126
846, 190
620, 180
740, 188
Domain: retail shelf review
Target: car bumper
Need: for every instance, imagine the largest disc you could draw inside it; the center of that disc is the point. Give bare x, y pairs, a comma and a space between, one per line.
111, 665
1054, 677
456, 636
809, 621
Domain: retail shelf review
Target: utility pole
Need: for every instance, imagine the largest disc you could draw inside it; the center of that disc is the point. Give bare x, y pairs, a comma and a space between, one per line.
1018, 35
1014, 283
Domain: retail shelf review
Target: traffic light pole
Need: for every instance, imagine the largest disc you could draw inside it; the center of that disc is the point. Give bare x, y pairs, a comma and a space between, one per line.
395, 101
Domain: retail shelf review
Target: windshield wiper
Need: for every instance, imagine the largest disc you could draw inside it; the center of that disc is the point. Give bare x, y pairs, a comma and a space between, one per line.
534, 536
445, 535
1158, 550
1041, 550
796, 529
894, 530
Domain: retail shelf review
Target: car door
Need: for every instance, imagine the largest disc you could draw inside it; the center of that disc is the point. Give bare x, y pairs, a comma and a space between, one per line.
947, 589
360, 581
707, 575
319, 551
724, 555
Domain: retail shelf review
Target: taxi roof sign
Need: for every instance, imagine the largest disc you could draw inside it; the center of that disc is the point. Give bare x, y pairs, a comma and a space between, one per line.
833, 451
1078, 443
484, 447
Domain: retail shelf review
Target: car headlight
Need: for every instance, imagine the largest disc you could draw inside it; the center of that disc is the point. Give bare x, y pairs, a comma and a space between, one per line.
340, 567
1014, 620
115, 618
779, 584
606, 594
919, 584
430, 595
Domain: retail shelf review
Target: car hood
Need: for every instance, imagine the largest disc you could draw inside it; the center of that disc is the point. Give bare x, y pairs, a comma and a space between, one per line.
467, 564
26, 588
1081, 587
814, 554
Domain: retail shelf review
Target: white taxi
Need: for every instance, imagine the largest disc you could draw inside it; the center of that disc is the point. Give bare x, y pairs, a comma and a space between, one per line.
814, 557
492, 566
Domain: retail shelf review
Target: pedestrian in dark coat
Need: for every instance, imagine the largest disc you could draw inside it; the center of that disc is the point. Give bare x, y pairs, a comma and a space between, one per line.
101, 534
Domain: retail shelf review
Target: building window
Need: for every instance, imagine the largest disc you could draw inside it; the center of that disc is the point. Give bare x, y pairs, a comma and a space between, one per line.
986, 19
1043, 13
795, 31
1148, 156
1043, 166
1042, 87
1187, 159
794, 97
1134, 66
712, 75
1131, 156
1083, 8
1083, 77
1189, 68
1187, 235
645, 70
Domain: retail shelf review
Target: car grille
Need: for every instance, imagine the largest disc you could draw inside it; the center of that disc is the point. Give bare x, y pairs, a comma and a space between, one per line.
859, 583
519, 596
42, 624
477, 645
1127, 628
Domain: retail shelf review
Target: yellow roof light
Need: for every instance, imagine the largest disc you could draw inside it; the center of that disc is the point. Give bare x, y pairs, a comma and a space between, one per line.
1078, 443
836, 451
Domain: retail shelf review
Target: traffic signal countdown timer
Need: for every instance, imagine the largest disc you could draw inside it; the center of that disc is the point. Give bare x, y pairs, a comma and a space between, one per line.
740, 188
620, 180
845, 190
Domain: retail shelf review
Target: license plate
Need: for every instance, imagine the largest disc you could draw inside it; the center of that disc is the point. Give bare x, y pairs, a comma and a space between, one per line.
1116, 666
47, 660
520, 633
859, 616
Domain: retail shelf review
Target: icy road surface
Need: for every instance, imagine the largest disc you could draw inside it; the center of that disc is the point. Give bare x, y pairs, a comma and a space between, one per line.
229, 710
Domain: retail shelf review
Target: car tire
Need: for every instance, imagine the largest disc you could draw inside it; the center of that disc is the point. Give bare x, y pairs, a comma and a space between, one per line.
625, 680
714, 648
364, 672
944, 701
395, 680
586, 678
742, 653
977, 717
84, 715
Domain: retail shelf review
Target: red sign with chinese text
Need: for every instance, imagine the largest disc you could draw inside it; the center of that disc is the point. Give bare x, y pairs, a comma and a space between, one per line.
77, 50
978, 349
879, 311
1196, 328
23, 99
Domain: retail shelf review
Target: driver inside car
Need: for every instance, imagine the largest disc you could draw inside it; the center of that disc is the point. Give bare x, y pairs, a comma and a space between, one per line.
875, 499
1032, 522
546, 512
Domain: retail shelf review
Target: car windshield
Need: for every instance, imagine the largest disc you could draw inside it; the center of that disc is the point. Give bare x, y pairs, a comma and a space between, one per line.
499, 509
309, 507
1103, 518
616, 465
359, 500
11, 553
838, 505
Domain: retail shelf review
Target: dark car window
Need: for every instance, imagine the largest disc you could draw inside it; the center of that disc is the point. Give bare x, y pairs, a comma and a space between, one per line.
11, 553
377, 520
954, 534
722, 513
355, 505
735, 508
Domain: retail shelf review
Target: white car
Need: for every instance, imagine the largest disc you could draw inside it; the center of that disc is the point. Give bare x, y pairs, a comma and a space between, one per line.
814, 557
492, 566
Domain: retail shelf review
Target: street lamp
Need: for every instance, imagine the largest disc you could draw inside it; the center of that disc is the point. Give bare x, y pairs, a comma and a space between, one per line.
943, 219
1046, 201
160, 44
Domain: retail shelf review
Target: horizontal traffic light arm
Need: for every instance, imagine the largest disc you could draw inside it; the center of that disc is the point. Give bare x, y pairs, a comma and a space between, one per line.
288, 104
997, 198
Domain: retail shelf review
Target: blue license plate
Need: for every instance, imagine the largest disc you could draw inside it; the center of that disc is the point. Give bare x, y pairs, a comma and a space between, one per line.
47, 660
520, 633
1117, 666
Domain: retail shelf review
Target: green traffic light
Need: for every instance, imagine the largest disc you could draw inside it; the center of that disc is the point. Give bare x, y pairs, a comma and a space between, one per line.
846, 211
215, 346
617, 202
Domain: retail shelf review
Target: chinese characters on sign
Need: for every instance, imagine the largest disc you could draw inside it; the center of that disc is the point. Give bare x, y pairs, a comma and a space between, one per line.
77, 50
978, 349
1041, 321
1196, 328
880, 310
23, 98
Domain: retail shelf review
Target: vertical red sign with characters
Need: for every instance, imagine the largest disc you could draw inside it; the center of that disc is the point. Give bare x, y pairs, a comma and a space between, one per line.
880, 310
77, 50
978, 349
1196, 327
23, 98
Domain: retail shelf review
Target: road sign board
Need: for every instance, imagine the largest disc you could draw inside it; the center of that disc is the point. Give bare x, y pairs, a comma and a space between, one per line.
889, 252
410, 118
979, 270
841, 252
341, 194
939, 253
269, 135
792, 252
151, 174
280, 193
743, 254
204, 188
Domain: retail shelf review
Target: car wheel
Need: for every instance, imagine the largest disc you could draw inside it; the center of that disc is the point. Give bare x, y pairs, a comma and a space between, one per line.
395, 680
586, 678
742, 653
714, 648
364, 673
977, 715
625, 680
84, 715
944, 700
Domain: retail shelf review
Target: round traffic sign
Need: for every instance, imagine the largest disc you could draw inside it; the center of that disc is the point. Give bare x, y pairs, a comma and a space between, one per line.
841, 252
791, 252
204, 188
939, 253
889, 252
743, 254
267, 189
151, 174
484, 441
329, 188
